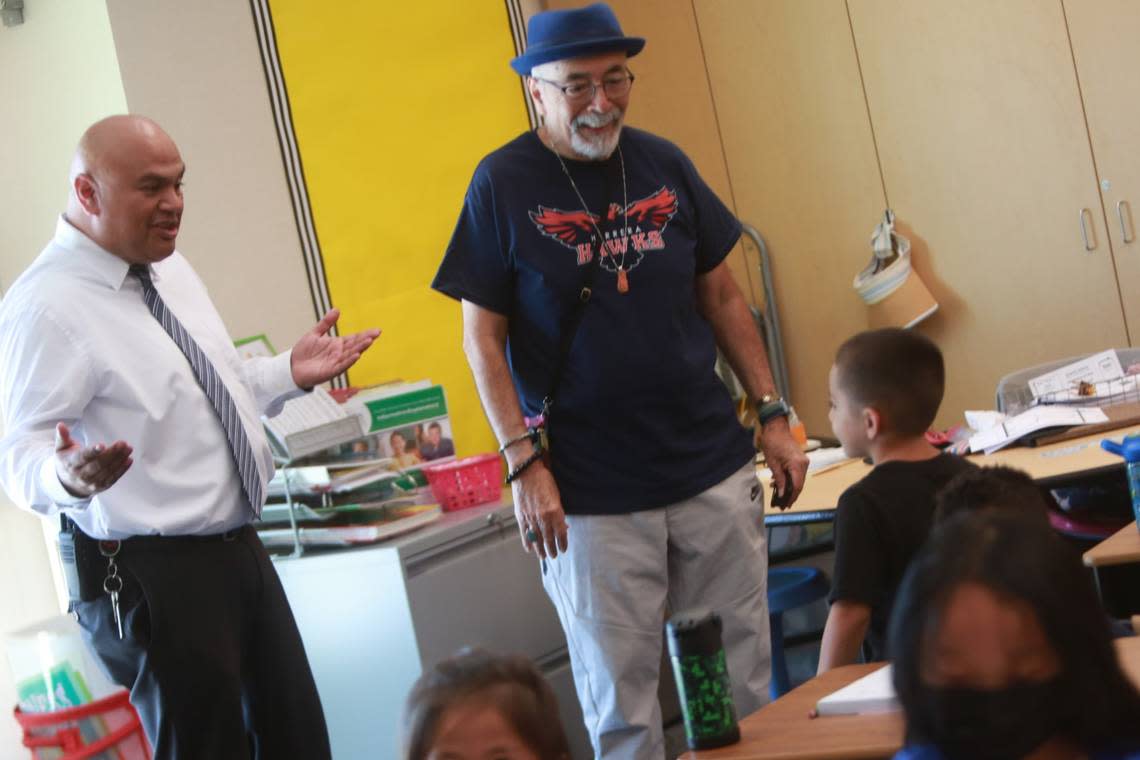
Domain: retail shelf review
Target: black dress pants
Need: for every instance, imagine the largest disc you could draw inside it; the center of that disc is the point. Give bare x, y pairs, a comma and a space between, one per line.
211, 652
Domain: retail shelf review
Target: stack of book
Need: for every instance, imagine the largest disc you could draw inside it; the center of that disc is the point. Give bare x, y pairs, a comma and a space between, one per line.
352, 450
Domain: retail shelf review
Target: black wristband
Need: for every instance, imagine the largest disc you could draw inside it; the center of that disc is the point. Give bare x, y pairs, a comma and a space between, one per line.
514, 474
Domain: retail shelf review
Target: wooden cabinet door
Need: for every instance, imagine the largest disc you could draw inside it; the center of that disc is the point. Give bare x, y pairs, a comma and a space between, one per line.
986, 160
1104, 36
801, 159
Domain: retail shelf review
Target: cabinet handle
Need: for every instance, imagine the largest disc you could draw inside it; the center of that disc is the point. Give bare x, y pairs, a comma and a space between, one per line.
1085, 230
1121, 207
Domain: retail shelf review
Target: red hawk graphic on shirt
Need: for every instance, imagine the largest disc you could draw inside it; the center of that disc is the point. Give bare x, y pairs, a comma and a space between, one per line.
621, 245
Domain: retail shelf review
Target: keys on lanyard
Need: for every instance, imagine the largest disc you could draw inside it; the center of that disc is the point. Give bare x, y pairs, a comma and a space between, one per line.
113, 583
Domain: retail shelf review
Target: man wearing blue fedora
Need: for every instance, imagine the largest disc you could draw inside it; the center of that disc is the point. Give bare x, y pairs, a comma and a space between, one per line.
589, 258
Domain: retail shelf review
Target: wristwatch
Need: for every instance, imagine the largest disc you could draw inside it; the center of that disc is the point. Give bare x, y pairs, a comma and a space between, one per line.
769, 407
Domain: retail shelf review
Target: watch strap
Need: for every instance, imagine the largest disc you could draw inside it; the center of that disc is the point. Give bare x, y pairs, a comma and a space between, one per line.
771, 407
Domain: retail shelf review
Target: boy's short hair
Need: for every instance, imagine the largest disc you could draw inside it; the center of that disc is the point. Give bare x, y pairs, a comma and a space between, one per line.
898, 372
997, 488
511, 683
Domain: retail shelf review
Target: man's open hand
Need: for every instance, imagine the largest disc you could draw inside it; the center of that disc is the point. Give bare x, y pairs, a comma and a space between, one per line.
319, 357
87, 470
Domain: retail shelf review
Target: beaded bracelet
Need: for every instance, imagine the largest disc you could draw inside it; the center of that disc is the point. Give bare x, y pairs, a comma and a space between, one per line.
518, 471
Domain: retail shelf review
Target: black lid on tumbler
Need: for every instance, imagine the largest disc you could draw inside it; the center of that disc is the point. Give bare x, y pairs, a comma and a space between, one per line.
694, 632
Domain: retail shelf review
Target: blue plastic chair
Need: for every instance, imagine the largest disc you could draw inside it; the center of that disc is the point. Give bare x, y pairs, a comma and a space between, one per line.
788, 588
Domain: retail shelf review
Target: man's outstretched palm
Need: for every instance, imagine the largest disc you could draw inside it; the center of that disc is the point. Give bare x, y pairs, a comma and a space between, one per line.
319, 357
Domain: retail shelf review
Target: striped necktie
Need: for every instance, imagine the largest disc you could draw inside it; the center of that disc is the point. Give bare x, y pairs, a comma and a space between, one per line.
212, 385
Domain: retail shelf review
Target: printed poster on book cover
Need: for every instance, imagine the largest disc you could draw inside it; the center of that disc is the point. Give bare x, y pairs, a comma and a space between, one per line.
411, 428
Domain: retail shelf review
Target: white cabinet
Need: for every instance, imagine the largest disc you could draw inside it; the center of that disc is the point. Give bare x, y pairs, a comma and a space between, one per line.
372, 618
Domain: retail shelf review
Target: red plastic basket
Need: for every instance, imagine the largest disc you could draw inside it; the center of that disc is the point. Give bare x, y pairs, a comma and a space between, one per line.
466, 482
105, 728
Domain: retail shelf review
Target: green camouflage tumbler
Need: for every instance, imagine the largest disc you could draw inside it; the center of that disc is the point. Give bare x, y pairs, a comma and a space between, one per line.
702, 679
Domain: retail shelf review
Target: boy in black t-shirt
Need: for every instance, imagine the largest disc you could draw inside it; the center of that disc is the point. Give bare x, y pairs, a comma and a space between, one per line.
885, 388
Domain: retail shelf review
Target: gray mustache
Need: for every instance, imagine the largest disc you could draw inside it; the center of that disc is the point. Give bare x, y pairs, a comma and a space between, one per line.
597, 119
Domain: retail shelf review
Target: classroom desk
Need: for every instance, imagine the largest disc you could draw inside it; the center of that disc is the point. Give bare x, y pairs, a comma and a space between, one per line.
782, 730
1120, 548
1047, 465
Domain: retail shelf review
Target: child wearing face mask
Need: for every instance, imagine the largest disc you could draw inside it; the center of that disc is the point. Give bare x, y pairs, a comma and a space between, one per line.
1001, 649
480, 706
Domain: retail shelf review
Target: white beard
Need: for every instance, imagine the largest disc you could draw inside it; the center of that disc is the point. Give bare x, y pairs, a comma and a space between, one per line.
597, 148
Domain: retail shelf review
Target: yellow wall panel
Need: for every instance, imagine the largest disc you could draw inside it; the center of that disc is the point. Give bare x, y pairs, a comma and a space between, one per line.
393, 104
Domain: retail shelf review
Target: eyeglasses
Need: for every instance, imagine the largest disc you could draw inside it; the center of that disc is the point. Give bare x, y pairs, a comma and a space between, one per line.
614, 85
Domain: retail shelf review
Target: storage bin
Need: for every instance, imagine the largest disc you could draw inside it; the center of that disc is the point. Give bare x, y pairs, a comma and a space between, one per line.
466, 482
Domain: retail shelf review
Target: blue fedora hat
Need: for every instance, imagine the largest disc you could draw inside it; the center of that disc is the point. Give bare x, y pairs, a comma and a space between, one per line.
555, 35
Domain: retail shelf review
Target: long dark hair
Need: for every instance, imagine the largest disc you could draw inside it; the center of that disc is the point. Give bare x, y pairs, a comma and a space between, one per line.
1021, 558
510, 682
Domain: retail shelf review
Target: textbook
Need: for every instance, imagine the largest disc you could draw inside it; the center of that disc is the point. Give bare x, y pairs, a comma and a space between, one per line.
401, 425
310, 423
375, 524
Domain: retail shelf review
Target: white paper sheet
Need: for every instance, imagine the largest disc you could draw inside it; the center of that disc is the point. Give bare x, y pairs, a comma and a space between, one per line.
870, 694
1032, 420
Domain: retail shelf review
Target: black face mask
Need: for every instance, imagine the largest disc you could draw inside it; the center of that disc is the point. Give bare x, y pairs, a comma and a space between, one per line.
999, 724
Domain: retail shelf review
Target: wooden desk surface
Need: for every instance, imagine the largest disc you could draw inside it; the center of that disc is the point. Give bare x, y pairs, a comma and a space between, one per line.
783, 730
1045, 464
1120, 548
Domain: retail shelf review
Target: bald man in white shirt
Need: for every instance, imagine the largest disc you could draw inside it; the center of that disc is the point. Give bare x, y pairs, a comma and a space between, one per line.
129, 412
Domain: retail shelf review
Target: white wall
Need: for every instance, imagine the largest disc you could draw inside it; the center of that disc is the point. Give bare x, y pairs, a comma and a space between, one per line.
196, 70
60, 74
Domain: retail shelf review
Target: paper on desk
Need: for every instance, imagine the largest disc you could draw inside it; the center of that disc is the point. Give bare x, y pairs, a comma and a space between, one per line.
821, 458
872, 693
817, 460
1032, 420
982, 420
1094, 369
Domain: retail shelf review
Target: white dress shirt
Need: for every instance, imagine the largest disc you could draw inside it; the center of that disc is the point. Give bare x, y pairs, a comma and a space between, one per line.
78, 345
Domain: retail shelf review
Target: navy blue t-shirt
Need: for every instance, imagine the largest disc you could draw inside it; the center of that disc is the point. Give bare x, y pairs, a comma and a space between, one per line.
640, 419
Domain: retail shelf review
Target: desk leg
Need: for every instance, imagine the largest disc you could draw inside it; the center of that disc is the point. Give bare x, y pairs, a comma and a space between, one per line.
780, 683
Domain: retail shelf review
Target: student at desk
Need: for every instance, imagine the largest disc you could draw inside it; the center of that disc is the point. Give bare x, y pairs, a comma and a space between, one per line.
1000, 649
885, 388
997, 488
478, 705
